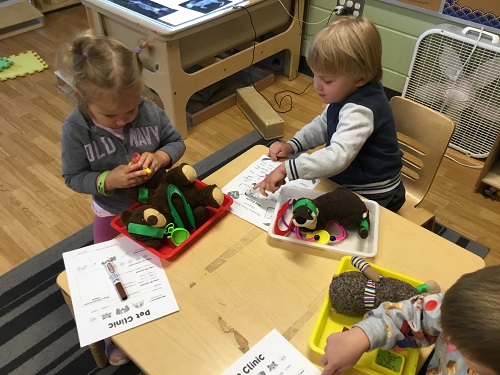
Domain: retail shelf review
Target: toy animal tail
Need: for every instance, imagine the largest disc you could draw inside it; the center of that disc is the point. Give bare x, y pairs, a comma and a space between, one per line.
364, 225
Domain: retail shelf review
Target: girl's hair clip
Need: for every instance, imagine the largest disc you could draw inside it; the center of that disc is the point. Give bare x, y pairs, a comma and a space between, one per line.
137, 50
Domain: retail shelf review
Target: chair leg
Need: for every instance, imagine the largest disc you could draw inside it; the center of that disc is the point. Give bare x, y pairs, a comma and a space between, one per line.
430, 224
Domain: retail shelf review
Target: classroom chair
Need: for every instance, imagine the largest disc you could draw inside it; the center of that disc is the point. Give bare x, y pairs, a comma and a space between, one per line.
423, 136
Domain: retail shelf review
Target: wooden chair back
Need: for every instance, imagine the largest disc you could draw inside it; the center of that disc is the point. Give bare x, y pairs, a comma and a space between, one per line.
423, 136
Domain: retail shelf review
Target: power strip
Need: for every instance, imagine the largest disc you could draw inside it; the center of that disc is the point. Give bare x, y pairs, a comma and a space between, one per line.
350, 8
260, 113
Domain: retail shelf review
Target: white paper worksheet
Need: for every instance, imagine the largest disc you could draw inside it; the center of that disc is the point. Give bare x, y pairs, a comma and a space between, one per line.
249, 204
273, 355
99, 310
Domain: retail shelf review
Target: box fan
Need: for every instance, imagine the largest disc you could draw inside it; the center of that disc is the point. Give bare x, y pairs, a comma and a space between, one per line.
457, 72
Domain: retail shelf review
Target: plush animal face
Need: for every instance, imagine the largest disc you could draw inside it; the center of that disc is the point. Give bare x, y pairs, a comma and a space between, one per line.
146, 217
305, 214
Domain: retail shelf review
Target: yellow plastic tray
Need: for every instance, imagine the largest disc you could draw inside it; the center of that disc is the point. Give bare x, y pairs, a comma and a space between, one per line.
329, 321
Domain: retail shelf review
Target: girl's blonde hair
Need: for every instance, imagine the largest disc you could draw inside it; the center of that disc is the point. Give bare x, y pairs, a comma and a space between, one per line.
470, 316
349, 46
99, 62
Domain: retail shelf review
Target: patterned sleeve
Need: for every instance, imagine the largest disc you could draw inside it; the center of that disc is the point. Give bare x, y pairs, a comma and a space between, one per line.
412, 323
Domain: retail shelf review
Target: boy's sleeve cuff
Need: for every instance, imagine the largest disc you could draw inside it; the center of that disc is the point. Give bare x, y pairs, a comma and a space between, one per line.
376, 332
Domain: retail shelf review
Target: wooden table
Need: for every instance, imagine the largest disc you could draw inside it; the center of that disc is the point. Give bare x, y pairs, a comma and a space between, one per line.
235, 284
200, 43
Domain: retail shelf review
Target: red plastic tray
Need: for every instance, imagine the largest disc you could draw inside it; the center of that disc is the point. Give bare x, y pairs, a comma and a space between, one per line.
168, 250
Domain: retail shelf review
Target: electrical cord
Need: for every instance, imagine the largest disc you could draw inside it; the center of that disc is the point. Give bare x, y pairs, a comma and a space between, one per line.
462, 164
279, 104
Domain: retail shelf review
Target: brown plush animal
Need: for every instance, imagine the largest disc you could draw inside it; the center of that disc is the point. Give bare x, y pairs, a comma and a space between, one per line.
150, 217
340, 204
354, 293
184, 177
187, 207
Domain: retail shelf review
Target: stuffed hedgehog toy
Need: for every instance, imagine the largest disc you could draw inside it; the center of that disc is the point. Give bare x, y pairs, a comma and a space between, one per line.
341, 205
354, 293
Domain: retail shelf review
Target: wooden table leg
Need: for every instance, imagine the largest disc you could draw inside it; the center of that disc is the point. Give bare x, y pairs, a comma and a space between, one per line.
97, 348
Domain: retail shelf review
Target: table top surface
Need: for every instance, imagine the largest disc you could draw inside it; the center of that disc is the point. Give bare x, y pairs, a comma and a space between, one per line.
236, 284
179, 16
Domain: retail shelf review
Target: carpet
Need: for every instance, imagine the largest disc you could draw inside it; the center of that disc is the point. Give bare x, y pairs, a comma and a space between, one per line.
460, 240
37, 332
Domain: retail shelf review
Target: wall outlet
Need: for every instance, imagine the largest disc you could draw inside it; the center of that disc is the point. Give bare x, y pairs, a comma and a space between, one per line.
350, 7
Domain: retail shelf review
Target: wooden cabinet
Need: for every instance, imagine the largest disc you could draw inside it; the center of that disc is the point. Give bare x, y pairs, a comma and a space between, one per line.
18, 16
49, 5
488, 182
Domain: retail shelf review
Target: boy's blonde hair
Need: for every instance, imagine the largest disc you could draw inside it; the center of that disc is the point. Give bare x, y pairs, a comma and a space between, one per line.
470, 316
349, 46
99, 62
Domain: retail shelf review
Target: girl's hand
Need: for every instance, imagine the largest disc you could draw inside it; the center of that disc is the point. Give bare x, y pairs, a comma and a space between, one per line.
280, 150
273, 180
343, 350
154, 161
126, 176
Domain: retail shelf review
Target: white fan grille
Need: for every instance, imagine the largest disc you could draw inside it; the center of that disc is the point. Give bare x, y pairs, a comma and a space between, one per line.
477, 119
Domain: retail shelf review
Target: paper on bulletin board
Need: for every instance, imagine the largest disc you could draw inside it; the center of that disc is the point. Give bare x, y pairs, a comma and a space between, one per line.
249, 204
273, 355
98, 308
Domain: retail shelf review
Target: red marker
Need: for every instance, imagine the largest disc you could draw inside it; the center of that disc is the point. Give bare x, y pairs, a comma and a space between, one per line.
110, 269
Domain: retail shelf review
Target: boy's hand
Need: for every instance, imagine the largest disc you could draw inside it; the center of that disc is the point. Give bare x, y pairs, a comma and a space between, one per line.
343, 350
273, 181
279, 150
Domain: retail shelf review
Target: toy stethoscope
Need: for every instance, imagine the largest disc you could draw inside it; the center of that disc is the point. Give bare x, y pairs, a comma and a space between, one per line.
177, 235
320, 236
172, 190
176, 231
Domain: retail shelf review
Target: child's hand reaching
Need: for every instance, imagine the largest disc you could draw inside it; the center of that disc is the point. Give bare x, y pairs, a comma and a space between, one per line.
343, 350
280, 150
273, 181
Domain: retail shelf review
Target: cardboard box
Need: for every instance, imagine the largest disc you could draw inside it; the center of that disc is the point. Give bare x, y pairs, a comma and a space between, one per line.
18, 16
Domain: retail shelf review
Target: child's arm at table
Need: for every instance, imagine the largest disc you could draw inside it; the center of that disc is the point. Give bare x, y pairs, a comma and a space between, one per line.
408, 324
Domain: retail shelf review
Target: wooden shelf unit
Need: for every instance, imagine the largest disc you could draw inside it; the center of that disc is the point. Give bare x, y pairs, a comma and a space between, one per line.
490, 174
50, 5
18, 16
